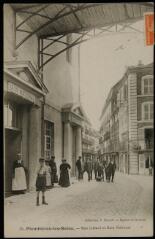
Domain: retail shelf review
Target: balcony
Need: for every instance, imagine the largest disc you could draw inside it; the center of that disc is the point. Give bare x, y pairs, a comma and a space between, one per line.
88, 151
107, 135
87, 140
101, 140
145, 146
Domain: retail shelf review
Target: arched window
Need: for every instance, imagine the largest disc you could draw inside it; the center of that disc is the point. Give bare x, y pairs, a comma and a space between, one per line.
147, 111
147, 85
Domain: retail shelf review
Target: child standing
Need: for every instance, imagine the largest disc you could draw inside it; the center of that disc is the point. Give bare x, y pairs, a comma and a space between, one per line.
41, 181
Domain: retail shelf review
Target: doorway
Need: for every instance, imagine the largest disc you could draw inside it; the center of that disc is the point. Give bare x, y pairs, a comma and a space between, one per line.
13, 139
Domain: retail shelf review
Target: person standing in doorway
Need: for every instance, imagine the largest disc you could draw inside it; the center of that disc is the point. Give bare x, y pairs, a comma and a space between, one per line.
41, 181
19, 184
79, 168
64, 180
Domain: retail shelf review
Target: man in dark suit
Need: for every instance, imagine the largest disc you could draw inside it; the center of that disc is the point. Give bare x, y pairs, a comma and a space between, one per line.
96, 167
88, 168
112, 170
53, 166
79, 168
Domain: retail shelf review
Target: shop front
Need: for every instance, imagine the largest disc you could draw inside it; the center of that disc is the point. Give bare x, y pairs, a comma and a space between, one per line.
23, 106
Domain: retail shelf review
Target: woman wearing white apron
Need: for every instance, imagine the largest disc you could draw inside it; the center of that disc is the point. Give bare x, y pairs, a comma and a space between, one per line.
19, 177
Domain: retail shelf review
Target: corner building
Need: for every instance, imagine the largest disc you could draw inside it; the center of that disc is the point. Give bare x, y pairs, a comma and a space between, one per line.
127, 132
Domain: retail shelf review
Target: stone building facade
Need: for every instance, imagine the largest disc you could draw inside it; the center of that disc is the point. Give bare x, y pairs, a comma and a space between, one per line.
90, 141
127, 122
38, 121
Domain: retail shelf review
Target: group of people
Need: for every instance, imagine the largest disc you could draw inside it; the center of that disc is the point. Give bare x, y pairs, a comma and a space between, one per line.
105, 170
48, 171
46, 174
102, 169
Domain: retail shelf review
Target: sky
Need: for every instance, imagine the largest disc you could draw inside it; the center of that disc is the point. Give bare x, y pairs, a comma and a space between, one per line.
103, 61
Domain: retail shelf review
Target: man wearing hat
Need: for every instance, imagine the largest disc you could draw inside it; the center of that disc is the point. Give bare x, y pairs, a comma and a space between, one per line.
19, 176
79, 168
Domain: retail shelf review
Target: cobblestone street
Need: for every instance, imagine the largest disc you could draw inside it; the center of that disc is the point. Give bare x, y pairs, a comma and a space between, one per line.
125, 203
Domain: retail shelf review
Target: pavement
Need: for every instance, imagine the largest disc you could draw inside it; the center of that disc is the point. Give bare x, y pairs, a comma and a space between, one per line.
124, 207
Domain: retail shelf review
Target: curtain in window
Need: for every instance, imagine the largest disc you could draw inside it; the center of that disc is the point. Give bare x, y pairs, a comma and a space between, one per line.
148, 111
147, 85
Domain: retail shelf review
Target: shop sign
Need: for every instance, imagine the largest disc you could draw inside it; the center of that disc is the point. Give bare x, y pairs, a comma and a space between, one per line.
20, 92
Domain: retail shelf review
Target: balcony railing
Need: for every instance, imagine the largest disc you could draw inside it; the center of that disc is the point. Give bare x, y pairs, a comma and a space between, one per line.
90, 151
146, 147
87, 140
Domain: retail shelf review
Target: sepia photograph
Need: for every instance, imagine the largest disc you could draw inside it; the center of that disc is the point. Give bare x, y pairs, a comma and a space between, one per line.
78, 106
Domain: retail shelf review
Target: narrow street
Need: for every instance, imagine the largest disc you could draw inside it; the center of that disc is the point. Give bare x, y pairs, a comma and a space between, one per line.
85, 207
78, 98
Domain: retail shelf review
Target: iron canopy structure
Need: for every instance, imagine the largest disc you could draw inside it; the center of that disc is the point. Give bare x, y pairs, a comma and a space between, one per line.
54, 22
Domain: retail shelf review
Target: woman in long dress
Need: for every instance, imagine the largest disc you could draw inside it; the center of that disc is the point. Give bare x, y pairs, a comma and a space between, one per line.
64, 180
19, 177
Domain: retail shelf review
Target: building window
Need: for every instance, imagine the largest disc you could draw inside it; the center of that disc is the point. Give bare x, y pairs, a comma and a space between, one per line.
147, 111
49, 139
149, 136
12, 116
147, 85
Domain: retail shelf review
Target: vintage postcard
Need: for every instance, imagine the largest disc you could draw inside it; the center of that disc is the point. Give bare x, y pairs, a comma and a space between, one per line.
78, 119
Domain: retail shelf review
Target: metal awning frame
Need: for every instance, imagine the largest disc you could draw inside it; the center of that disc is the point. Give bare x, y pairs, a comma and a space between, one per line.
84, 34
60, 14
91, 34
